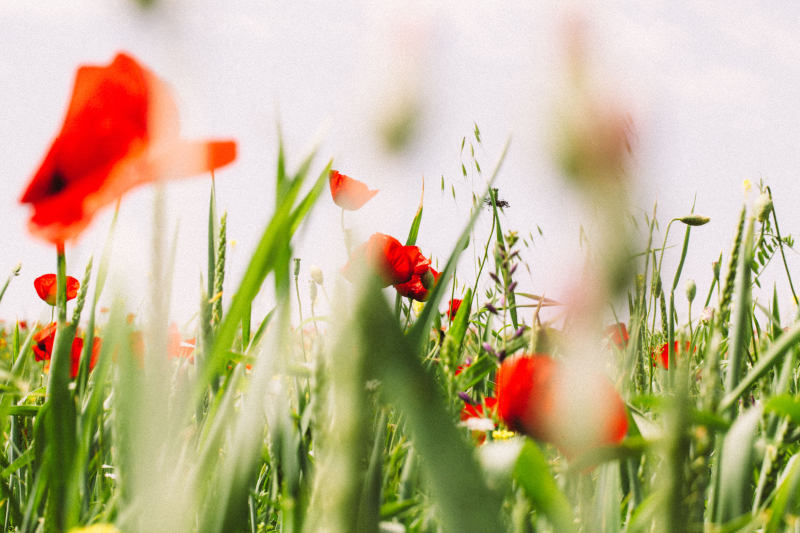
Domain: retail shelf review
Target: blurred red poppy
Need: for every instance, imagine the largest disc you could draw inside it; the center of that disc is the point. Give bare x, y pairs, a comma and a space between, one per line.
453, 308
477, 411
348, 193
43, 349
618, 335
532, 399
663, 353
120, 131
46, 288
179, 347
392, 261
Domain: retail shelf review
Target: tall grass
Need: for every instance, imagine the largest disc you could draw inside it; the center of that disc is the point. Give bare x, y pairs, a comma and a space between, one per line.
353, 425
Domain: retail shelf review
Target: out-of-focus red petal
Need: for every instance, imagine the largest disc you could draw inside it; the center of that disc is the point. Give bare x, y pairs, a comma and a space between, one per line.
121, 130
349, 193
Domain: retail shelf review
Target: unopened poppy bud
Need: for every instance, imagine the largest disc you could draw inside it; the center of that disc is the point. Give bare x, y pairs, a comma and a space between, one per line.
691, 290
428, 279
695, 220
763, 206
316, 274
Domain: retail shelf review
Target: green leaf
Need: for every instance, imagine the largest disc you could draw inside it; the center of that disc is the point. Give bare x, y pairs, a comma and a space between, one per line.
786, 493
533, 475
736, 467
464, 501
785, 405
451, 348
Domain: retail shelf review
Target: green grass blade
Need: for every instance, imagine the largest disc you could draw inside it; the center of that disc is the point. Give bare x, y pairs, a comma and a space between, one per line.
786, 493
464, 501
533, 475
736, 467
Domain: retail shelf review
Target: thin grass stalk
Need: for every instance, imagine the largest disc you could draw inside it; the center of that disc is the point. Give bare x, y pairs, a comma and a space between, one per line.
780, 247
730, 277
59, 414
740, 321
14, 272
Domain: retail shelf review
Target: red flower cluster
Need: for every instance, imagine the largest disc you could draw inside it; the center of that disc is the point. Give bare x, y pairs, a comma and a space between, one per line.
46, 288
348, 193
402, 266
536, 397
43, 349
120, 131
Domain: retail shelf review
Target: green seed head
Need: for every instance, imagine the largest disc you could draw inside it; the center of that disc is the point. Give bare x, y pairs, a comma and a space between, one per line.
691, 290
695, 220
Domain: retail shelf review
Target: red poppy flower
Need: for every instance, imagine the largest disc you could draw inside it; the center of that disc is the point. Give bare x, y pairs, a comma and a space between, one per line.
618, 335
46, 288
477, 411
348, 193
663, 353
120, 131
453, 308
423, 278
418, 287
534, 397
392, 261
43, 342
43, 349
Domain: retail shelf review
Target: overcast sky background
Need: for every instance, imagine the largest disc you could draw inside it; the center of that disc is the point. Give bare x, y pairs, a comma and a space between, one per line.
712, 88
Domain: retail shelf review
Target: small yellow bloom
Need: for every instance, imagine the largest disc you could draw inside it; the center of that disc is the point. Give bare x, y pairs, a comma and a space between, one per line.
747, 185
502, 434
417, 306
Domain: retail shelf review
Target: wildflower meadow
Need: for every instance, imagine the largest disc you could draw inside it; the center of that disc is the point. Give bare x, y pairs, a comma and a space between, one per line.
437, 394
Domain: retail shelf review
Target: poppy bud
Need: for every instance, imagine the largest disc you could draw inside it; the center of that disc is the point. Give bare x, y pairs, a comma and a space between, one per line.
316, 274
695, 220
691, 290
428, 279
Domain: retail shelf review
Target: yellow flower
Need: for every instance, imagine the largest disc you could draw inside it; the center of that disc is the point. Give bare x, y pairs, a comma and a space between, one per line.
418, 307
502, 434
747, 185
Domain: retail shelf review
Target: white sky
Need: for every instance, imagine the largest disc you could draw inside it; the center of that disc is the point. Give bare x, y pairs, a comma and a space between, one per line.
713, 92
